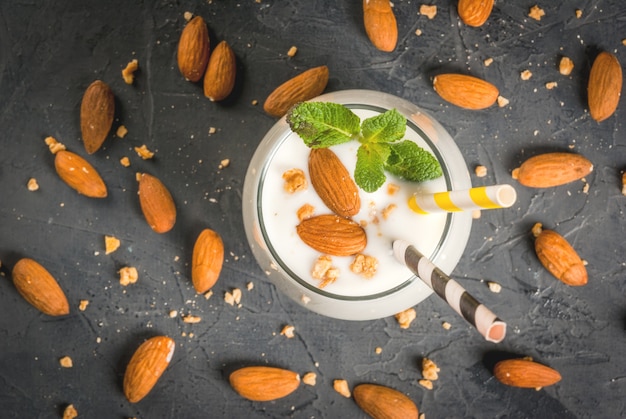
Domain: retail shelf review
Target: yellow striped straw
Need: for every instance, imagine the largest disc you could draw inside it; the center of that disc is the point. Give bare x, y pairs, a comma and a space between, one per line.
483, 197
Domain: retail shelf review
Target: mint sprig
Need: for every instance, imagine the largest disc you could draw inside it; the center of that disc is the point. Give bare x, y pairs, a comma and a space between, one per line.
324, 124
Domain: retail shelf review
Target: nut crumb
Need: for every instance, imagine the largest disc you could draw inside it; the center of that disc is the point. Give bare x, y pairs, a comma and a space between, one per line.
292, 51
341, 387
32, 184
250, 286
70, 412
212, 130
125, 161
128, 275
128, 73
488, 62
224, 163
324, 270
254, 102
586, 188
502, 101
526, 75
446, 325
173, 314
494, 286
480, 171
288, 331
294, 180
404, 318
551, 85
429, 11
418, 32
427, 384
82, 305
364, 265
378, 350
579, 13
430, 370
388, 210
111, 244
566, 65
189, 318
66, 362
422, 415
121, 131
515, 173
536, 229
233, 297
309, 378
187, 16
208, 294
305, 211
143, 152
53, 145
392, 188
536, 12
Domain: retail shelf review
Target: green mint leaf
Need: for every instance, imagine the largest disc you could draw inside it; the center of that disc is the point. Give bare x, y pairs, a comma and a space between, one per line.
323, 124
411, 162
369, 173
387, 127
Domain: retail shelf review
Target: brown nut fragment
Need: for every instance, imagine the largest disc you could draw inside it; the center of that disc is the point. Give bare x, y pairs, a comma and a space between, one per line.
465, 91
97, 110
525, 373
193, 49
474, 12
263, 383
39, 288
128, 73
559, 257
146, 367
304, 86
332, 235
219, 79
156, 203
207, 260
604, 86
341, 386
77, 173
552, 169
384, 402
566, 65
380, 24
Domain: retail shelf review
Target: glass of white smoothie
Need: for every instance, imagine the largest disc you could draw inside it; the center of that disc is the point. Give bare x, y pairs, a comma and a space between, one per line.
270, 216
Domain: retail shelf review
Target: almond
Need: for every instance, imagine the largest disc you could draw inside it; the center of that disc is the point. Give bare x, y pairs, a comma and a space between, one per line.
559, 257
193, 49
465, 91
525, 373
552, 169
302, 87
156, 203
39, 288
219, 78
380, 24
146, 367
604, 86
332, 235
382, 402
333, 183
79, 174
207, 260
474, 12
263, 384
97, 110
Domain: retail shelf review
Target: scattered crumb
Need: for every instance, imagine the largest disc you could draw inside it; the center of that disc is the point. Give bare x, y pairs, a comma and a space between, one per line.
404, 318
254, 102
494, 286
422, 415
480, 171
392, 188
429, 11
388, 210
502, 101
566, 65
430, 370
53, 145
526, 75
446, 325
305, 211
418, 32
292, 51
250, 286
515, 173
212, 130
82, 305
624, 41
224, 163
173, 314
128, 73
586, 188
66, 362
189, 318
111, 244
121, 131
341, 387
536, 12
143, 152
476, 214
208, 294
288, 331
324, 271
378, 350
624, 183
536, 229
309, 378
70, 412
579, 13
364, 265
32, 184
187, 16
488, 62
427, 384
233, 297
128, 275
551, 85
294, 180
125, 161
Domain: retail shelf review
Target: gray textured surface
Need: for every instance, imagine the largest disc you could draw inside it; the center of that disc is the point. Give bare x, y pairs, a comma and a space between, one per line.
49, 54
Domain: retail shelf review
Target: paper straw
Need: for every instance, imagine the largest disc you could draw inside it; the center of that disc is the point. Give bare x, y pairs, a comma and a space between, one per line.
488, 324
483, 197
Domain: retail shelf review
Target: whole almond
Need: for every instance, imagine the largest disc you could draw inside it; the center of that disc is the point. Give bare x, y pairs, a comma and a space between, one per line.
332, 235
559, 257
146, 367
525, 373
97, 110
263, 383
219, 78
39, 288
79, 174
156, 203
552, 169
193, 49
304, 86
207, 260
380, 24
382, 402
604, 86
474, 12
333, 183
465, 91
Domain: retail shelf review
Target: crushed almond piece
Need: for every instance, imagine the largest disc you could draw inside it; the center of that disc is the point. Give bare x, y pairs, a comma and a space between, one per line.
418, 32
53, 145
378, 350
476, 214
125, 161
208, 294
121, 131
515, 173
128, 275
551, 85
388, 210
536, 12
392, 188
295, 180
488, 62
288, 331
292, 51
427, 384
66, 362
430, 370
429, 11
187, 16
526, 75
82, 305
250, 286
324, 270
128, 73
624, 183
173, 314
309, 378
566, 65
143, 152
536, 229
192, 319
224, 163
494, 286
341, 387
579, 13
480, 171
70, 412
586, 188
502, 101
212, 130
364, 265
404, 318
237, 295
305, 211
32, 184
233, 297
446, 325
111, 244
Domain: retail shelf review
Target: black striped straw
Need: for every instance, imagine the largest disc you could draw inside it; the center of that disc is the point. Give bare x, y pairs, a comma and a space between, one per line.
479, 316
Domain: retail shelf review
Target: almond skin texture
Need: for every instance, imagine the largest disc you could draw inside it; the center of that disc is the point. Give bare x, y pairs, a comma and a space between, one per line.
193, 49
382, 402
333, 183
219, 78
525, 373
39, 288
79, 174
604, 86
380, 24
332, 235
146, 367
474, 12
97, 110
302, 87
207, 260
465, 91
552, 169
156, 203
262, 384
559, 258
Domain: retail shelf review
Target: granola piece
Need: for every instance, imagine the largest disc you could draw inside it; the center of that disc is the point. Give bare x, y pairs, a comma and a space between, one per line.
551, 85
305, 211
128, 275
189, 318
224, 163
233, 297
82, 305
579, 13
430, 11
536, 12
392, 188
446, 325
128, 73
404, 318
488, 62
502, 101
172, 314
212, 130
388, 210
430, 370
70, 412
121, 131
125, 161
480, 171
324, 271
32, 184
378, 350
526, 75
53, 145
427, 384
418, 32
341, 387
288, 331
364, 265
143, 152
250, 286
494, 286
295, 180
187, 16
292, 51
66, 362
309, 378
566, 65
111, 244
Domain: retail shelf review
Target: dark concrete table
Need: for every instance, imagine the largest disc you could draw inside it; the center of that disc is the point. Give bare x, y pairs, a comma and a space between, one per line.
49, 53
